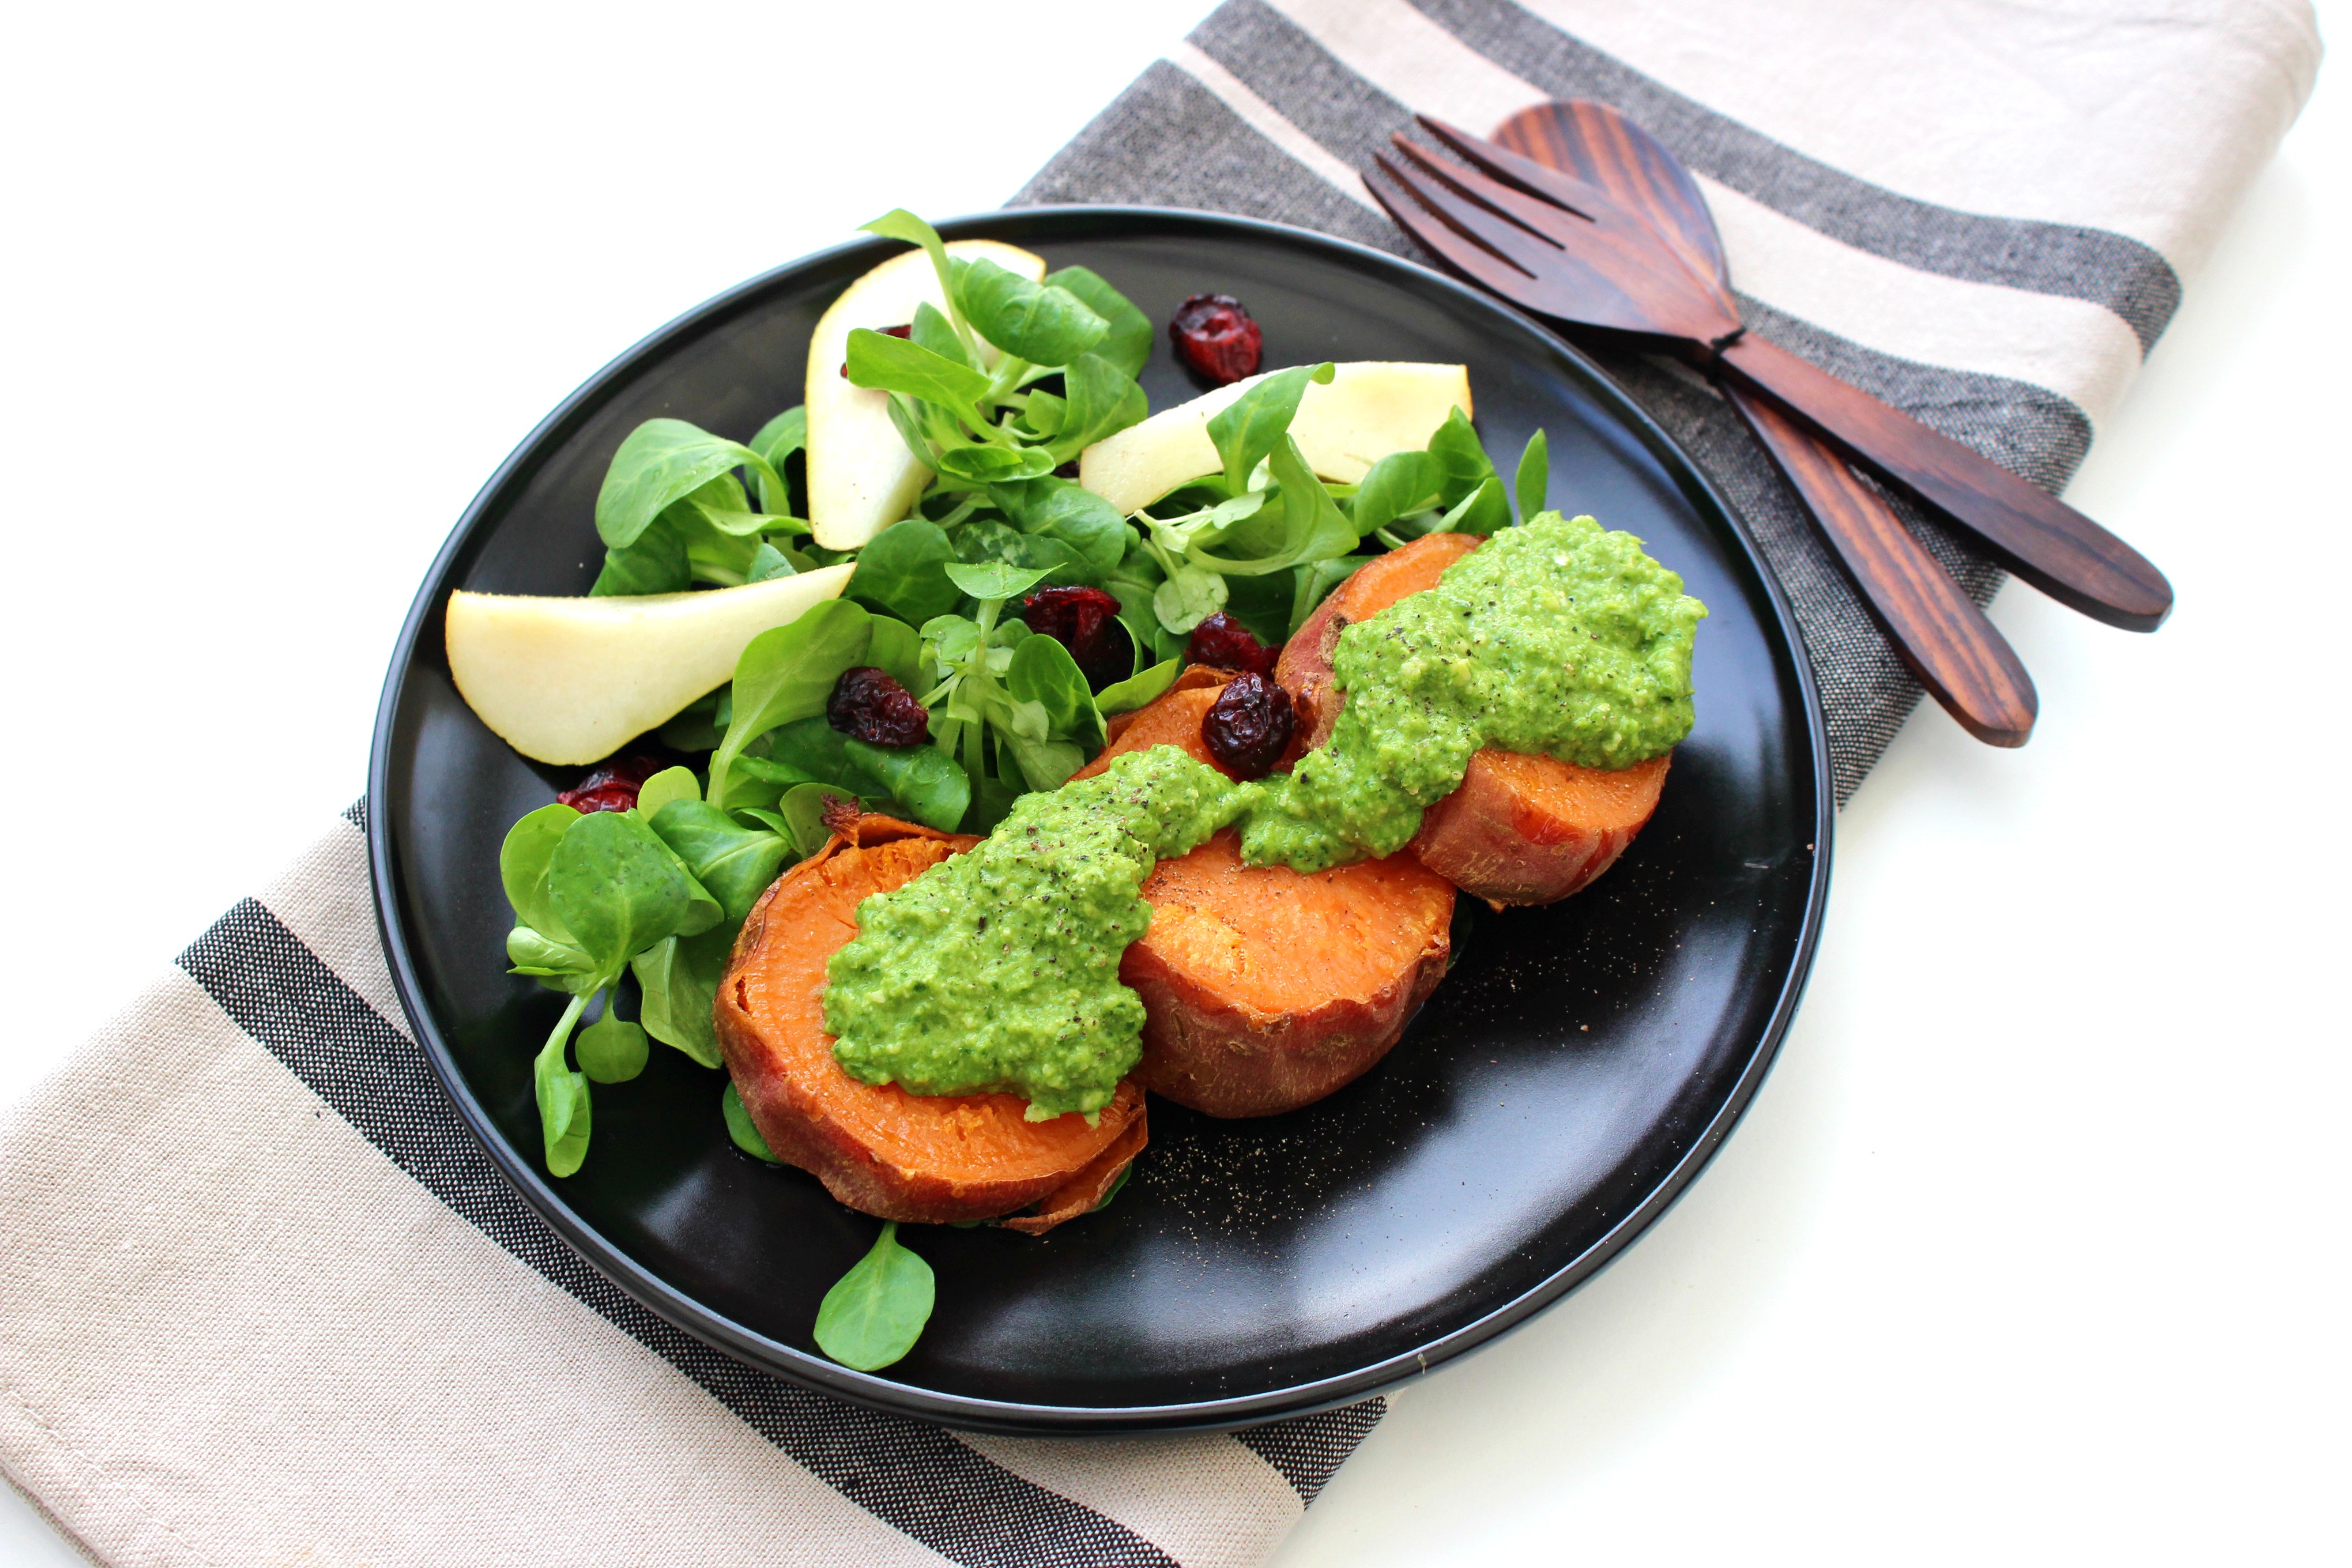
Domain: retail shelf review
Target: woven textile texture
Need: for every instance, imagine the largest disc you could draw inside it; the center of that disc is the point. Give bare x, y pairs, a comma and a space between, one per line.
1271, 106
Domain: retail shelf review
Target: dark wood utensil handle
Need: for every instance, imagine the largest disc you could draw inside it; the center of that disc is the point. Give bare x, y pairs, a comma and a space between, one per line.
2036, 535
1958, 656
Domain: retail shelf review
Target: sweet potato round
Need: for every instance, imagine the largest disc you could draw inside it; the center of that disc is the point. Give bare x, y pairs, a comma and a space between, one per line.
1234, 1023
1171, 719
1265, 990
1530, 831
919, 1158
1520, 829
1305, 667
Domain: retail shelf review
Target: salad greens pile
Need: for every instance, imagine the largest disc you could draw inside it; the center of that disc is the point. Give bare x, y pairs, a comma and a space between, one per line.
997, 395
966, 388
672, 512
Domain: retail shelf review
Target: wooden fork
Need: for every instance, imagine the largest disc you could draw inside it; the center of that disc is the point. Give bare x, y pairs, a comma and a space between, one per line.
1565, 249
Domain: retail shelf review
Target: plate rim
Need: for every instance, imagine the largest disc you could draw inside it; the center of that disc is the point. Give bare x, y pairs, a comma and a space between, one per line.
969, 1412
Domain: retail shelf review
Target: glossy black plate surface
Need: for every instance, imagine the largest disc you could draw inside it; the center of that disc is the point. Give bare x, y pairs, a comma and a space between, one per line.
1566, 1081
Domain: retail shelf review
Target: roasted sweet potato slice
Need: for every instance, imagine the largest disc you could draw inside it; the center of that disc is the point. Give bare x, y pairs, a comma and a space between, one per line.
1521, 829
1265, 990
1170, 719
1234, 1023
895, 1156
1305, 667
1531, 830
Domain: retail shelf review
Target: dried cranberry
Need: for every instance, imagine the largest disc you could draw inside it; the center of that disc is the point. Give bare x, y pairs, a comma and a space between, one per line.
907, 331
1085, 621
1223, 642
1248, 727
870, 706
614, 786
1215, 336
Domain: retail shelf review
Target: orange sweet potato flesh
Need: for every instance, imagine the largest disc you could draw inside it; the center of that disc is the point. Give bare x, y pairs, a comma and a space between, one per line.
1171, 719
1520, 829
1234, 1023
1265, 990
1532, 830
918, 1158
1304, 669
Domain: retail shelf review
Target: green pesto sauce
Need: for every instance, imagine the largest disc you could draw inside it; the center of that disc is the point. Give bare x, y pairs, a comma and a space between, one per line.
997, 970
1557, 638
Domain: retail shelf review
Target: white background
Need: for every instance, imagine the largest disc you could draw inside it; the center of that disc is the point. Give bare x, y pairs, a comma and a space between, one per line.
2033, 1248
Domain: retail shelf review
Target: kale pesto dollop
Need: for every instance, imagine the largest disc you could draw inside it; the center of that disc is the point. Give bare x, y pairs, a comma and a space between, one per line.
997, 970
1558, 639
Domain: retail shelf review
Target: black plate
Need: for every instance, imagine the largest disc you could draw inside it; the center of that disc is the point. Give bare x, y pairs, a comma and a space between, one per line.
1565, 1083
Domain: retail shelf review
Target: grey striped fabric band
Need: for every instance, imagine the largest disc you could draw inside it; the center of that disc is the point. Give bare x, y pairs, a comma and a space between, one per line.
1170, 140
917, 1479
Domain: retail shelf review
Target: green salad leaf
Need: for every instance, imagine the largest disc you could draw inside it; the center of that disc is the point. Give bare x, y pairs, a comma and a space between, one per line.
992, 580
562, 1096
734, 862
677, 983
886, 363
1037, 322
1534, 478
614, 890
977, 421
672, 513
669, 785
739, 1127
616, 887
523, 861
875, 1314
900, 224
1246, 429
786, 674
1099, 401
1127, 696
983, 465
903, 571
1126, 344
1398, 486
926, 782
897, 649
611, 1050
779, 437
663, 461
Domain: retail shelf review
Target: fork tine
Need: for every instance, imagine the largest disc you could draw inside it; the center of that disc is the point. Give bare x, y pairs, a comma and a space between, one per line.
1528, 252
1560, 227
1463, 254
1581, 197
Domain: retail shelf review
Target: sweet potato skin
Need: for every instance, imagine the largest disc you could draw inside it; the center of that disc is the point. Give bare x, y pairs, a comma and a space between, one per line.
1532, 830
1305, 667
1229, 1048
1235, 1024
1084, 1193
1520, 829
919, 1159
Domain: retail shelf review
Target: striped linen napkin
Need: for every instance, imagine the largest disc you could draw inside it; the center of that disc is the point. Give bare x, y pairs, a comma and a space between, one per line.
327, 1330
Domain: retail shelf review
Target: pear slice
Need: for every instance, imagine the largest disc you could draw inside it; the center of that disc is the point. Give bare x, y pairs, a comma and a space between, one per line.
861, 478
1368, 410
569, 680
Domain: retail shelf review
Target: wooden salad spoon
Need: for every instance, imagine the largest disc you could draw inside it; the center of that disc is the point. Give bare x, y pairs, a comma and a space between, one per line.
1937, 631
1564, 247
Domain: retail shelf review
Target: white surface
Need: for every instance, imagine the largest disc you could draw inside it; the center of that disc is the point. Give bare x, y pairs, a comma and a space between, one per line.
2032, 1248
